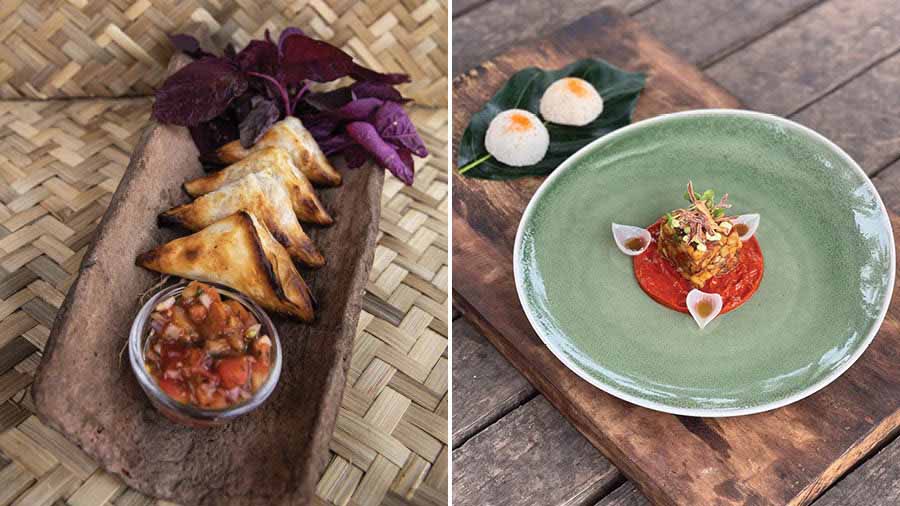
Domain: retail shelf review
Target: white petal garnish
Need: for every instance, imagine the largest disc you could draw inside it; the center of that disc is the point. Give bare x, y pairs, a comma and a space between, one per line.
751, 221
631, 240
704, 307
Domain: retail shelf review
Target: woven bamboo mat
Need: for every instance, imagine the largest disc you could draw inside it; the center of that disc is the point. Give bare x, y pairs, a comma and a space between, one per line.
59, 162
111, 48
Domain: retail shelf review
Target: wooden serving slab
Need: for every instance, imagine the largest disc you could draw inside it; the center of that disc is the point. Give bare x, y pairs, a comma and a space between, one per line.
785, 456
85, 388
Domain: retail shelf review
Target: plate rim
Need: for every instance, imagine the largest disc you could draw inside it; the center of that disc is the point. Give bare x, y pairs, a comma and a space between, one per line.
676, 410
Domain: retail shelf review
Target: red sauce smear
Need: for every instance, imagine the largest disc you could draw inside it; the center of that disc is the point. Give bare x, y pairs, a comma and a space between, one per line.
659, 279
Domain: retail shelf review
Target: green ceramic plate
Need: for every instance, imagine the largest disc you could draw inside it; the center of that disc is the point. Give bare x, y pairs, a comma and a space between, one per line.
824, 232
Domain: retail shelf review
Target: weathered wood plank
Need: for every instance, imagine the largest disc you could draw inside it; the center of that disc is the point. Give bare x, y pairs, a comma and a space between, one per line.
485, 385
862, 117
888, 184
461, 6
875, 483
531, 456
626, 495
787, 456
812, 54
702, 31
486, 30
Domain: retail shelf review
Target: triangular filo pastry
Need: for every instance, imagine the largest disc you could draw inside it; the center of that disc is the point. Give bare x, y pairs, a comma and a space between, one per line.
276, 161
260, 194
238, 252
290, 135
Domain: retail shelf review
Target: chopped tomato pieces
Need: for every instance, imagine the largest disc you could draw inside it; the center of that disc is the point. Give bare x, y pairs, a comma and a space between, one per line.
234, 371
174, 390
197, 312
205, 351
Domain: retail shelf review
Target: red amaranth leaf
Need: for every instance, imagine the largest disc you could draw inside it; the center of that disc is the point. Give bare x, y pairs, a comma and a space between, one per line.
259, 56
383, 153
188, 45
210, 135
395, 127
306, 58
262, 116
287, 32
328, 100
372, 89
361, 73
198, 92
336, 143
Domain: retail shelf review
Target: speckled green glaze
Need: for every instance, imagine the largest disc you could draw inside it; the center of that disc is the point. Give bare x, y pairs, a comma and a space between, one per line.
824, 233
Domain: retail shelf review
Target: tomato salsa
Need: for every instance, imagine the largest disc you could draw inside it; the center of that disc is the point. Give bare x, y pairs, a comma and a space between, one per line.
205, 351
664, 284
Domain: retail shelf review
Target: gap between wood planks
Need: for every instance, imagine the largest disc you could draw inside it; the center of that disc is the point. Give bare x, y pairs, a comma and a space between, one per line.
891, 437
492, 420
481, 3
488, 421
739, 45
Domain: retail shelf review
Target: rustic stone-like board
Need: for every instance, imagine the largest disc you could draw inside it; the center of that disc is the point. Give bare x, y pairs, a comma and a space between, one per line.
485, 385
460, 6
875, 483
485, 30
531, 456
805, 58
786, 456
271, 456
702, 31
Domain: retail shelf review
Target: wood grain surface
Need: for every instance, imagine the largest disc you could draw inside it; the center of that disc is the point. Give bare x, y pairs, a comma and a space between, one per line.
888, 184
483, 31
271, 456
783, 457
548, 453
875, 483
867, 34
871, 135
703, 31
626, 495
477, 363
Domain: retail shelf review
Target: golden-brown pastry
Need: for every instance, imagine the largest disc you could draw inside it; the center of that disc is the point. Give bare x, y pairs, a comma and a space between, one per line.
290, 135
238, 252
276, 161
260, 194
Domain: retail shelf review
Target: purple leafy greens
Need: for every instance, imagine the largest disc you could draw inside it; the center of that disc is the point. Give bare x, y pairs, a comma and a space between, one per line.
188, 45
385, 154
370, 89
306, 58
242, 94
291, 30
199, 92
263, 115
395, 127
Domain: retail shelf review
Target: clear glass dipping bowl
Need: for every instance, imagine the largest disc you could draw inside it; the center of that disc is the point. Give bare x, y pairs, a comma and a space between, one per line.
187, 414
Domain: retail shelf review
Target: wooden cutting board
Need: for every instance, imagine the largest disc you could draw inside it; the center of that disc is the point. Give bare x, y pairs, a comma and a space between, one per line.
86, 390
786, 456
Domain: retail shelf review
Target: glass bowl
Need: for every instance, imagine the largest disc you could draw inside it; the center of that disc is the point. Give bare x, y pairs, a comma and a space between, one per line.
184, 413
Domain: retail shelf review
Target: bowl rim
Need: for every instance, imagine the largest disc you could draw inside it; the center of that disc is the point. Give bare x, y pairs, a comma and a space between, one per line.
156, 394
676, 410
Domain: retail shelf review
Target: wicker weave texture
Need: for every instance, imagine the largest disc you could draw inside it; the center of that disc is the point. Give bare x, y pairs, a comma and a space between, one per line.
60, 160
102, 48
